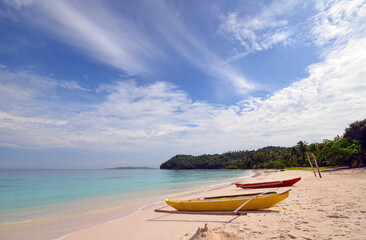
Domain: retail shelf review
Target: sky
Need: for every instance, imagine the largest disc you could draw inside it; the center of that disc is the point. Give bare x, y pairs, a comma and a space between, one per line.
98, 84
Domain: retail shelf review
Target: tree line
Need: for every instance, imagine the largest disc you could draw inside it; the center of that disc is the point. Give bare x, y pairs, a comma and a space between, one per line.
346, 150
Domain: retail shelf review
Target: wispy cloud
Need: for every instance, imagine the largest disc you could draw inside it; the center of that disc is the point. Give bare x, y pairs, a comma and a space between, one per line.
159, 116
97, 29
268, 28
331, 97
167, 21
131, 114
337, 21
133, 117
119, 40
318, 106
24, 92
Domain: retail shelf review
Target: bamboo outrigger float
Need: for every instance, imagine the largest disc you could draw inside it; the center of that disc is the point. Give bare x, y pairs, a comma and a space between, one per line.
226, 205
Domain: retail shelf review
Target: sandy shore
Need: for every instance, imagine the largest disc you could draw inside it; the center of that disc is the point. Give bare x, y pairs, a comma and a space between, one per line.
332, 207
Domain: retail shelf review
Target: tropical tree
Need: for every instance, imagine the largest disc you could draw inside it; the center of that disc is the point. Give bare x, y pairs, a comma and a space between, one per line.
302, 148
341, 152
357, 131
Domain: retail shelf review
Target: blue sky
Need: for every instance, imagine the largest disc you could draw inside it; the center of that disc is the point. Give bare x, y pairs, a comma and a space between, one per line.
94, 84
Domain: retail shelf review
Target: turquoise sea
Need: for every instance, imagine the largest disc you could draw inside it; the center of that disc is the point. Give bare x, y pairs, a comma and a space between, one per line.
26, 195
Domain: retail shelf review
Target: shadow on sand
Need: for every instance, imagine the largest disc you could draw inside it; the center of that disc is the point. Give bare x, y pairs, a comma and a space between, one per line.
232, 218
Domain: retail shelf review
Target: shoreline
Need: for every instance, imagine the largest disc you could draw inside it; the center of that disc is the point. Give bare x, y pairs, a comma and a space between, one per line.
317, 208
178, 194
68, 224
187, 194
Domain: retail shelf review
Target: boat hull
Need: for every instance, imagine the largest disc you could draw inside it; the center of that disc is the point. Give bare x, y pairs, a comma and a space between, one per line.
229, 203
285, 183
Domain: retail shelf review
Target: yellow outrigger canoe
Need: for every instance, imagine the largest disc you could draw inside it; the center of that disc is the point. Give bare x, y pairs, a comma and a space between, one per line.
233, 203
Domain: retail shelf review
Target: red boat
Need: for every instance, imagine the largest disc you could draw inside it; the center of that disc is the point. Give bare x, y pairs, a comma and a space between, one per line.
285, 183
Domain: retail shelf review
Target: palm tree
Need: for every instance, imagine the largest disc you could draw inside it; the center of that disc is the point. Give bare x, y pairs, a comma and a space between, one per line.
302, 148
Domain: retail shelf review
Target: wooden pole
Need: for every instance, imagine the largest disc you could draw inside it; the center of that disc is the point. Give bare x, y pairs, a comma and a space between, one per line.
316, 164
311, 164
202, 212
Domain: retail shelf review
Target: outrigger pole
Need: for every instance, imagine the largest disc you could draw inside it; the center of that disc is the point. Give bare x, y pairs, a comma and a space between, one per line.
240, 213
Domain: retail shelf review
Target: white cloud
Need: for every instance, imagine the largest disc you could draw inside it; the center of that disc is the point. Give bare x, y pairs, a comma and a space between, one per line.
146, 113
23, 91
256, 33
169, 24
71, 85
339, 20
119, 40
160, 117
96, 28
129, 114
321, 105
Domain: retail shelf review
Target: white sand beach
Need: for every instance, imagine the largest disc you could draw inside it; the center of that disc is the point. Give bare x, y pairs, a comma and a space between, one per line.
331, 207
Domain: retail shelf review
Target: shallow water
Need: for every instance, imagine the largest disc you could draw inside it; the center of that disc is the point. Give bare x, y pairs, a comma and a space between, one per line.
33, 195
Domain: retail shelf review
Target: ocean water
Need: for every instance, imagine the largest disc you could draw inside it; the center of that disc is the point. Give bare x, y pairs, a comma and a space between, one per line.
30, 194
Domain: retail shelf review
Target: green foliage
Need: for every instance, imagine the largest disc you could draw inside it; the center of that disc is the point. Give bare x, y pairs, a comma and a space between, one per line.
348, 150
341, 152
268, 157
357, 131
302, 148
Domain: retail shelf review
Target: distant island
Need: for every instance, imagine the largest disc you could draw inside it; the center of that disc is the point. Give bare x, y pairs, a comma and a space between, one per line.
116, 168
348, 150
